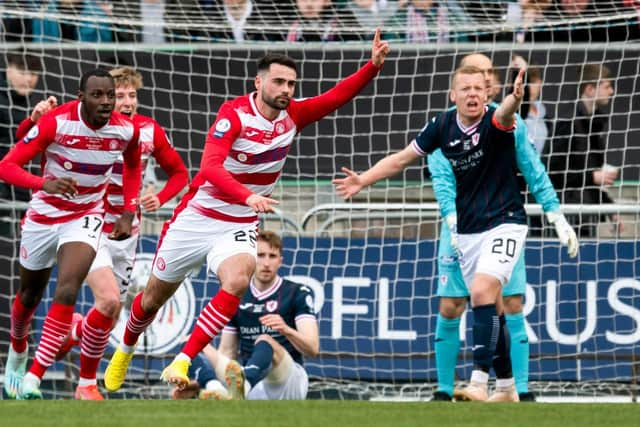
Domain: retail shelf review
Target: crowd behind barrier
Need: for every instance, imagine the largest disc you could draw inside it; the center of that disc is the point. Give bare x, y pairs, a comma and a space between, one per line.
416, 21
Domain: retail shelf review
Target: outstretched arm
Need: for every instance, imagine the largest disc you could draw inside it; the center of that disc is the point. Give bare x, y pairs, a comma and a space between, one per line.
313, 109
389, 166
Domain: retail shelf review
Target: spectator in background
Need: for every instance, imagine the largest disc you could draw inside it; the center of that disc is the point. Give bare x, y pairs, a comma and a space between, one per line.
528, 14
152, 14
577, 163
319, 21
16, 89
372, 13
84, 25
224, 20
16, 28
420, 21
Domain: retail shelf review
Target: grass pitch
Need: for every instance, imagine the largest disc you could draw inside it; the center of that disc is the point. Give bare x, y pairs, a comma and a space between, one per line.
161, 413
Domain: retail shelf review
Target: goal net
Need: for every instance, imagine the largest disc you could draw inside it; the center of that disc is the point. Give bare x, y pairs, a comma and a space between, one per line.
371, 262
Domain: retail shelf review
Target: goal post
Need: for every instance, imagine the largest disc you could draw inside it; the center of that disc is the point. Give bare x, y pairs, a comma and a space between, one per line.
372, 263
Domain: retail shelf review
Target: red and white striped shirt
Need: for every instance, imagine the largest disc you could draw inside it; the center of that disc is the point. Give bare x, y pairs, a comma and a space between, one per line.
72, 148
244, 152
153, 142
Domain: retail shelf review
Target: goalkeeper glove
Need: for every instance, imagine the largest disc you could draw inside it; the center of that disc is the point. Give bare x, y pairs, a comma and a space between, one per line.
452, 223
565, 232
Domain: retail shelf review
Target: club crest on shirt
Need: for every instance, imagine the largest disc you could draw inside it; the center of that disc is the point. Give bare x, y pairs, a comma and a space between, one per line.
32, 134
222, 127
279, 128
475, 138
272, 306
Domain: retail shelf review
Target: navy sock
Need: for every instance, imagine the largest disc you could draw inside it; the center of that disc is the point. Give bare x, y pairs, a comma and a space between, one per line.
201, 370
258, 365
502, 358
486, 328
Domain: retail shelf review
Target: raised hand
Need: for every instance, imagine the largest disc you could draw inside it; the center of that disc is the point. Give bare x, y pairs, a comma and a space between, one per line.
261, 204
43, 107
65, 186
348, 186
379, 50
518, 85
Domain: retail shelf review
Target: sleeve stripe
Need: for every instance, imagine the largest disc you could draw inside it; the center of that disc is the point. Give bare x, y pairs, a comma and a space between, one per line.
305, 317
495, 123
417, 149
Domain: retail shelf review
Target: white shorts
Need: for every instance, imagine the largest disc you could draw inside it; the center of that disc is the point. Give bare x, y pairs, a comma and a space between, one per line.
119, 256
40, 242
493, 252
295, 387
193, 238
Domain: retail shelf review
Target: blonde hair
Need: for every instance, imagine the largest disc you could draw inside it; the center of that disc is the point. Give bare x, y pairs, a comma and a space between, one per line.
126, 76
466, 70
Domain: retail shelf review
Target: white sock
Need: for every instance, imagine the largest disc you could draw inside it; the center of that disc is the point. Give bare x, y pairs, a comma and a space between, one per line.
83, 382
127, 348
74, 332
479, 377
182, 356
503, 383
31, 378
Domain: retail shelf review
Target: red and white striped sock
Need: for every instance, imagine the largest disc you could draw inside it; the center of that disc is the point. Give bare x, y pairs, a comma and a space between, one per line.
95, 337
56, 326
21, 318
212, 319
138, 322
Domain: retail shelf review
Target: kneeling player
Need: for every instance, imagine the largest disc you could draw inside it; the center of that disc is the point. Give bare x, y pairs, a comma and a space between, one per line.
275, 326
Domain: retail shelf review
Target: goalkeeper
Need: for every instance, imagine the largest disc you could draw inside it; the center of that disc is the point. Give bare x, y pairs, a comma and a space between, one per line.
452, 290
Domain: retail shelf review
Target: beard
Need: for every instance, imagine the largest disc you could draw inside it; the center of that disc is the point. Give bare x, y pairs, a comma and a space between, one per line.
278, 102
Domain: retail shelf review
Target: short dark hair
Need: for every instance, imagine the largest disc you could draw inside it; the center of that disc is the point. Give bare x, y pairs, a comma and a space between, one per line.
97, 72
24, 60
271, 238
592, 74
276, 58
